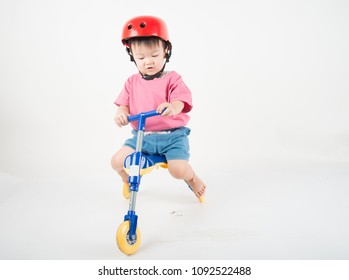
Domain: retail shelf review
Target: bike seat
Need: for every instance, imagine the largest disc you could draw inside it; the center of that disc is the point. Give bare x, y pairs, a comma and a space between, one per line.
148, 163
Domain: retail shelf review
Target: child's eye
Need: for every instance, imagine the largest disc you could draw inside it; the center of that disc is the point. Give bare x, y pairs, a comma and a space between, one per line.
155, 55
140, 58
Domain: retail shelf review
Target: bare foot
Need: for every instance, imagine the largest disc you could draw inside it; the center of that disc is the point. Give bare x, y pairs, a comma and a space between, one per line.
197, 186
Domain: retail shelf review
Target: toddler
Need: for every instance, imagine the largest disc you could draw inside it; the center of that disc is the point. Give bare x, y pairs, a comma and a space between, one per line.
147, 43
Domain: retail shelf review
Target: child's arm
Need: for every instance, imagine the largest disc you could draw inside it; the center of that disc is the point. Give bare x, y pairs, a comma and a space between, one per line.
173, 108
121, 116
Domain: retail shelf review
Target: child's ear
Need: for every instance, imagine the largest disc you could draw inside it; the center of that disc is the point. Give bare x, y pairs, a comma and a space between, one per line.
168, 51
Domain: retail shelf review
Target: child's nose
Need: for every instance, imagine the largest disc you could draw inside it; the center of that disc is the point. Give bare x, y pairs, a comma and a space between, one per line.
149, 60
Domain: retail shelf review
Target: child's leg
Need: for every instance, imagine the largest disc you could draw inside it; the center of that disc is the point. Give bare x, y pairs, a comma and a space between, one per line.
117, 161
180, 169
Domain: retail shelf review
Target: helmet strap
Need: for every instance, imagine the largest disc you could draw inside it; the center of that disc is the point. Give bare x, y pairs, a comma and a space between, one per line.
129, 53
152, 77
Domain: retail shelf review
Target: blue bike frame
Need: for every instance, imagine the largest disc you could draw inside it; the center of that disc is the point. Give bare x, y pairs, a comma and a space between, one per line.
134, 178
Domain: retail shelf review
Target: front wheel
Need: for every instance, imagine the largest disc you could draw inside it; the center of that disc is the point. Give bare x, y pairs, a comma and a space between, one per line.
125, 244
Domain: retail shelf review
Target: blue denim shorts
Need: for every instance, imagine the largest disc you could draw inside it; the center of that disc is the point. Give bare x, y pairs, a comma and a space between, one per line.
173, 145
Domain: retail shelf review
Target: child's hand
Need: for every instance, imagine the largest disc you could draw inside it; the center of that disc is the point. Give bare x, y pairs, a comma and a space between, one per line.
121, 117
165, 109
170, 109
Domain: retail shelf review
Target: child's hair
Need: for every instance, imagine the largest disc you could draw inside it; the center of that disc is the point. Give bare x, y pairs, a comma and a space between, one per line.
148, 41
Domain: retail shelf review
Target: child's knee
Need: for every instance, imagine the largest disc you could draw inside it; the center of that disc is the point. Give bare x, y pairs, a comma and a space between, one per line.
178, 169
113, 162
116, 162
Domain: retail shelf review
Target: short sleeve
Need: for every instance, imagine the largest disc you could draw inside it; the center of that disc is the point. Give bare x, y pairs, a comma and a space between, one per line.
178, 90
124, 96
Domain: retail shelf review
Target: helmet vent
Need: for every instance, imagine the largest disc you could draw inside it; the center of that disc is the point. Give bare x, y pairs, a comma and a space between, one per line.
142, 25
129, 26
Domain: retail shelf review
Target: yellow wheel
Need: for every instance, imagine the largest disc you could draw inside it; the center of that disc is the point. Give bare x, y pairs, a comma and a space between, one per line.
126, 190
125, 245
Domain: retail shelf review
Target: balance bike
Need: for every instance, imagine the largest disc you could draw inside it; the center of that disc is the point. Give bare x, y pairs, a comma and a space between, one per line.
128, 236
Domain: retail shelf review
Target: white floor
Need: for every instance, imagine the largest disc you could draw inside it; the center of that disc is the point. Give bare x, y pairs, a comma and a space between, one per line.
281, 211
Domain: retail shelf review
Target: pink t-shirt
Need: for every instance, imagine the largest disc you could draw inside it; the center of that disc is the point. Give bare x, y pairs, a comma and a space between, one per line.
142, 95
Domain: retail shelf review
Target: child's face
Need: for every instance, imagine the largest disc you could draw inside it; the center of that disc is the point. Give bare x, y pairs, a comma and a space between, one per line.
149, 58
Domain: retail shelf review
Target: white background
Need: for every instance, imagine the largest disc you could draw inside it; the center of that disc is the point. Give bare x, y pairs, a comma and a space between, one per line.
270, 129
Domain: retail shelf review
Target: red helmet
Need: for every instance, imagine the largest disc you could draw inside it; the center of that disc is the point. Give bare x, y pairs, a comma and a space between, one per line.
144, 26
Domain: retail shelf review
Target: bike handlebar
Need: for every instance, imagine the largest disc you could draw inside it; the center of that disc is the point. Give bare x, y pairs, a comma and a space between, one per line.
141, 117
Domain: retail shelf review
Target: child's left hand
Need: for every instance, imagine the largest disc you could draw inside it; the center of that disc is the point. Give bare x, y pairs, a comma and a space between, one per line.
170, 109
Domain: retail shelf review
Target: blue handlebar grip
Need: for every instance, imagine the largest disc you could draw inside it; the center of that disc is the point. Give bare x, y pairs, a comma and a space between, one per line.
143, 115
133, 118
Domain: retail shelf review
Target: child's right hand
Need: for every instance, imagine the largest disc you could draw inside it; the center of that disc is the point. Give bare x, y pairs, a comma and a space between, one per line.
121, 118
